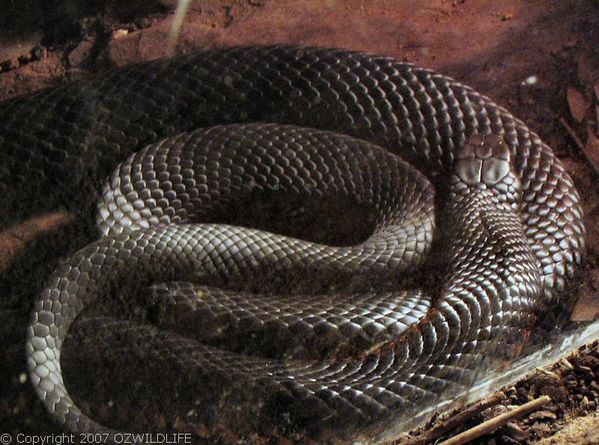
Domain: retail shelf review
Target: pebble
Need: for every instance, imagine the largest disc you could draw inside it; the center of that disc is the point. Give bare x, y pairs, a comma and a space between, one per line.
119, 33
544, 414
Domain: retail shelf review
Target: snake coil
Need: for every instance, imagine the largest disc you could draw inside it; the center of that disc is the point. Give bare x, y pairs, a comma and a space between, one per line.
219, 126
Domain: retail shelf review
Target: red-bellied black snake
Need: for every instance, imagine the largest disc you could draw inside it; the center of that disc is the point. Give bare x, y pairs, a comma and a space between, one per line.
219, 126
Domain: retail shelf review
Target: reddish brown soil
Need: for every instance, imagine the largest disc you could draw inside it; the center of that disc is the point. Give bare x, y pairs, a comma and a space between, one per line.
493, 46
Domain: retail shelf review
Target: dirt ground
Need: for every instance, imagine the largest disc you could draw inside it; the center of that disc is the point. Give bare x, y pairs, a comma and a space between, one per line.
538, 58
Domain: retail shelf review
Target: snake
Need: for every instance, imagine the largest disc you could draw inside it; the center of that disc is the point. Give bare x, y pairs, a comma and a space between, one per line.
475, 229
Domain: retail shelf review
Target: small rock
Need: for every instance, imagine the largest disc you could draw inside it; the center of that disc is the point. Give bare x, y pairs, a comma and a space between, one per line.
544, 414
516, 432
541, 429
119, 33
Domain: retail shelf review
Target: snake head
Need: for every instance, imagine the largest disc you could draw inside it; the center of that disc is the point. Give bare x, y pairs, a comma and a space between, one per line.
485, 162
483, 159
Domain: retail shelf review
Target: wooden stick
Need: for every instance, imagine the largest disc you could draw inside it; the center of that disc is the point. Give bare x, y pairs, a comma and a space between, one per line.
457, 420
496, 422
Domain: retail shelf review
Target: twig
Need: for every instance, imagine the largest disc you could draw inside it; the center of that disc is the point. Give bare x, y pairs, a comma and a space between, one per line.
457, 420
496, 422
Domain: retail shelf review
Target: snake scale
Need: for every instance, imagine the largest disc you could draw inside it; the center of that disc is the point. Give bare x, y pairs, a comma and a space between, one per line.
473, 184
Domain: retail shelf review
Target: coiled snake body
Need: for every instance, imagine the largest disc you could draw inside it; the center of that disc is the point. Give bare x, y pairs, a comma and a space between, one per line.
507, 218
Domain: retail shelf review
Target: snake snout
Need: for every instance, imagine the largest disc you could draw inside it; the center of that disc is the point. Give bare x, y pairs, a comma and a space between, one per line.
483, 160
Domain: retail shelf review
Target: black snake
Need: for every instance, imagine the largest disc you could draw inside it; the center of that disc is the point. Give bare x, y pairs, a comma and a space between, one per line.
223, 125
